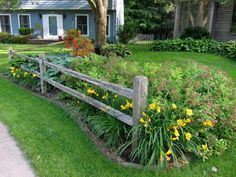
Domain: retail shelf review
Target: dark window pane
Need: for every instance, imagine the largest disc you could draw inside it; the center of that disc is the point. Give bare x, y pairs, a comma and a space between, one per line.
108, 27
24, 21
5, 25
53, 25
233, 26
82, 24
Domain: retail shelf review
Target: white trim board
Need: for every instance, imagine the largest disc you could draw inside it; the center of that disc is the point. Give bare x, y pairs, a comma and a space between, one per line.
87, 15
10, 21
25, 15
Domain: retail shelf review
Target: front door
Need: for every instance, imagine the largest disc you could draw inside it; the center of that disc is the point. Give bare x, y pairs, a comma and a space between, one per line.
52, 26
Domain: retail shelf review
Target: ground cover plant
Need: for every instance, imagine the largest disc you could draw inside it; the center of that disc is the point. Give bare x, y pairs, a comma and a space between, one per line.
227, 49
72, 154
191, 110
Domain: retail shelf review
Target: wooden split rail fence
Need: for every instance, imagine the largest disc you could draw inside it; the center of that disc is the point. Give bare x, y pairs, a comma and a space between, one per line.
138, 94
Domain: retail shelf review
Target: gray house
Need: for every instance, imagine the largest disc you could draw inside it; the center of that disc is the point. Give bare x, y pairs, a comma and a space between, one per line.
54, 17
219, 20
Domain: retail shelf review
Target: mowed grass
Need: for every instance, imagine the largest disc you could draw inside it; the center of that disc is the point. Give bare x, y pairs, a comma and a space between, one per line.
56, 146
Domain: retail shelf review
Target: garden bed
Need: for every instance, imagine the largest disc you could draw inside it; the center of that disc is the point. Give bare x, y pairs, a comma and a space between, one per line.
186, 108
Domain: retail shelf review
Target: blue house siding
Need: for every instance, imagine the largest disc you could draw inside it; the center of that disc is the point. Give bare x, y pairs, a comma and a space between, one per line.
68, 20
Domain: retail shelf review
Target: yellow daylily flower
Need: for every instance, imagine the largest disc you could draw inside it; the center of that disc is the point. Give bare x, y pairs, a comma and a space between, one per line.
174, 138
188, 120
204, 147
188, 136
176, 133
141, 121
152, 106
158, 109
188, 112
181, 122
169, 152
208, 123
173, 106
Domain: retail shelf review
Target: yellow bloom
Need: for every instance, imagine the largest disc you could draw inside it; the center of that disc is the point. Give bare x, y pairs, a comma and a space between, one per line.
169, 152
158, 109
174, 138
168, 158
152, 106
188, 136
123, 107
181, 122
145, 125
141, 121
91, 91
12, 68
188, 120
34, 75
116, 96
176, 133
188, 112
204, 147
173, 106
208, 123
14, 74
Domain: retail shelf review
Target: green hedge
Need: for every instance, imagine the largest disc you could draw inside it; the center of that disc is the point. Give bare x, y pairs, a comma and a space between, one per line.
7, 38
227, 49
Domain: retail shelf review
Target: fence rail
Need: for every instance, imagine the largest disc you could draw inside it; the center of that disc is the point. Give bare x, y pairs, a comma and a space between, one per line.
138, 94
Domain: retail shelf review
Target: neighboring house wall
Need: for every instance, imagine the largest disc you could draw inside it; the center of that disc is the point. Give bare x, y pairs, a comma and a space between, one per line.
222, 22
69, 20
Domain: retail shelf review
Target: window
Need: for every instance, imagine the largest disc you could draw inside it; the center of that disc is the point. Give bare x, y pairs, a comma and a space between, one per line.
108, 26
24, 21
5, 23
82, 24
233, 25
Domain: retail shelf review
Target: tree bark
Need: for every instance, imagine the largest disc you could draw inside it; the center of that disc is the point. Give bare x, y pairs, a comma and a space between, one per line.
200, 15
99, 8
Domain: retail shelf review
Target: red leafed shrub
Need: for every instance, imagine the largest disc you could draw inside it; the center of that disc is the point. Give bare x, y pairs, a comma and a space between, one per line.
81, 46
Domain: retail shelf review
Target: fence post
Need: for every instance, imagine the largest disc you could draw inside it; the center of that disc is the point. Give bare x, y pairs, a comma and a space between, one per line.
9, 53
140, 102
42, 67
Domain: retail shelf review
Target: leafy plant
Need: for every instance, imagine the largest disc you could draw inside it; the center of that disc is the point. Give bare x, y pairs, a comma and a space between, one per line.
227, 49
127, 32
115, 49
25, 31
196, 33
4, 37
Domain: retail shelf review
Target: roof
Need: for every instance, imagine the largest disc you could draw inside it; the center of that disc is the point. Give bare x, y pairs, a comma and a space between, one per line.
60, 5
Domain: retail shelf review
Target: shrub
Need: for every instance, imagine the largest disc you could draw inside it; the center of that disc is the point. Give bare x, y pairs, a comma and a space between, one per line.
127, 32
115, 49
81, 46
196, 33
4, 37
227, 49
25, 31
19, 39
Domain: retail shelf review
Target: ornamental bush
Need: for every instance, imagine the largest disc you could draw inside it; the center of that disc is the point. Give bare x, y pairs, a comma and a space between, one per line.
227, 49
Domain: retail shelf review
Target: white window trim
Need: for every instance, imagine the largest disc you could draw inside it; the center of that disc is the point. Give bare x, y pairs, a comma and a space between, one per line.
87, 15
25, 15
109, 25
10, 21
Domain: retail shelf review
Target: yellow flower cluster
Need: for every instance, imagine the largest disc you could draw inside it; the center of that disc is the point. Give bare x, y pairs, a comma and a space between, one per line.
183, 122
128, 105
92, 92
145, 120
154, 106
208, 123
105, 97
204, 147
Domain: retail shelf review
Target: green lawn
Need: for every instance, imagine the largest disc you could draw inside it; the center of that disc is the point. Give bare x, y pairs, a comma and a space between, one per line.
56, 146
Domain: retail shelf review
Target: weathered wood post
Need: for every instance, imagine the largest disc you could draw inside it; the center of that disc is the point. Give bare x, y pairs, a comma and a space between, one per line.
140, 102
42, 67
9, 53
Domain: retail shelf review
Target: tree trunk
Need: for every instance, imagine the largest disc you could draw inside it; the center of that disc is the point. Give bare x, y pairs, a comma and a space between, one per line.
101, 23
200, 15
99, 8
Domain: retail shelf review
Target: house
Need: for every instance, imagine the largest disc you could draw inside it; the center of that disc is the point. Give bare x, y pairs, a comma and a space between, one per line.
51, 18
219, 20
